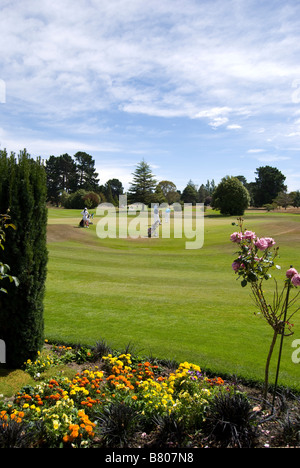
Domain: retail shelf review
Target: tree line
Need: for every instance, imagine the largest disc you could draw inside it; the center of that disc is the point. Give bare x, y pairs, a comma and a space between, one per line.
73, 182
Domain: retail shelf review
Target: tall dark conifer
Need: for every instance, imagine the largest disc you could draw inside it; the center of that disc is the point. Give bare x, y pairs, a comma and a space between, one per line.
23, 191
143, 185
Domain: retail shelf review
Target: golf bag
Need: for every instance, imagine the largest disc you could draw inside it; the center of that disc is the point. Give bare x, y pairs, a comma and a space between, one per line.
152, 229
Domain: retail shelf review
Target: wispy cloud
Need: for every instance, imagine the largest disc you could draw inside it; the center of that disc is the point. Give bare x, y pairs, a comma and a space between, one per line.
257, 150
81, 73
272, 158
159, 59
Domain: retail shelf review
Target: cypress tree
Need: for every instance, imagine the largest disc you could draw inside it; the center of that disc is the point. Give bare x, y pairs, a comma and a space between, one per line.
23, 191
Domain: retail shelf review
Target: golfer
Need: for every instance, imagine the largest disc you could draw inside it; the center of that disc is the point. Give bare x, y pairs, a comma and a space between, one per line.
156, 214
85, 217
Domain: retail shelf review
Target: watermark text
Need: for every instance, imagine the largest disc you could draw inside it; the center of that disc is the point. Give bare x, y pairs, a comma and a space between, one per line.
296, 353
137, 221
2, 352
2, 92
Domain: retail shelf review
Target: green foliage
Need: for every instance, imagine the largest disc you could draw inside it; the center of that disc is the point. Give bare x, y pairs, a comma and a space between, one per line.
268, 184
255, 258
231, 197
61, 177
118, 422
4, 268
14, 434
190, 194
87, 175
296, 199
169, 191
230, 420
143, 184
81, 199
283, 199
23, 191
67, 176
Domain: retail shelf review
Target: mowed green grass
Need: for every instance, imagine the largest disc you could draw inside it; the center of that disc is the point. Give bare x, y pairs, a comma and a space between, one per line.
166, 301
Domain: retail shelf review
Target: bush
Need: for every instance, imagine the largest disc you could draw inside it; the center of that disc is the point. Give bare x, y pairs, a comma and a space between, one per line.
81, 199
231, 197
75, 200
91, 200
118, 422
23, 191
230, 420
14, 434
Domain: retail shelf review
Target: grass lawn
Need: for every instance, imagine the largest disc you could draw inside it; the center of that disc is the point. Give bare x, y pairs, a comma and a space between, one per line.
163, 299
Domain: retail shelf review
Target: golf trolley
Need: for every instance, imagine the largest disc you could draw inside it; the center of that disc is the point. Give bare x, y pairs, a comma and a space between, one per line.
152, 229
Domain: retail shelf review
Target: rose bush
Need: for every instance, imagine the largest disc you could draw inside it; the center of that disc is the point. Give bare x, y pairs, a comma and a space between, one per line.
255, 259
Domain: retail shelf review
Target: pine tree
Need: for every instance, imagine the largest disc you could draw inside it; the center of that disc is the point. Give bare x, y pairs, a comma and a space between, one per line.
87, 175
23, 191
143, 184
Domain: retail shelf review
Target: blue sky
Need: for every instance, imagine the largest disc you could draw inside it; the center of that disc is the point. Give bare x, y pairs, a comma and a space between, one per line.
198, 89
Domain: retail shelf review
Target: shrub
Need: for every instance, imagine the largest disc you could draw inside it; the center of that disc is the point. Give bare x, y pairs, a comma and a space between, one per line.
14, 434
118, 422
231, 197
230, 420
23, 191
81, 199
91, 200
171, 428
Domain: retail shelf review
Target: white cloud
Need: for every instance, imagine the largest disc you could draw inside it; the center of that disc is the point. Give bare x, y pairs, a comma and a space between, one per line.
218, 121
256, 150
155, 59
272, 158
115, 170
234, 127
78, 74
217, 116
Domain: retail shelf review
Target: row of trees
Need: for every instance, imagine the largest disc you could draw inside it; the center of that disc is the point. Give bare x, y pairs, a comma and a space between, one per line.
74, 183
231, 196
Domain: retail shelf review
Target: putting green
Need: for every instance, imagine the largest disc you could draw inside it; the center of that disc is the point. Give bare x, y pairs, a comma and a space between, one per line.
167, 301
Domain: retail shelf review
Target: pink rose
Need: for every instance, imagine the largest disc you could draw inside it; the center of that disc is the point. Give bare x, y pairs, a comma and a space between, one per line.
236, 237
270, 241
236, 266
291, 272
262, 244
296, 280
249, 235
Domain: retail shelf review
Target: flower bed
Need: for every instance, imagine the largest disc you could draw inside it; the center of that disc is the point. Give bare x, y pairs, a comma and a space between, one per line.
125, 402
